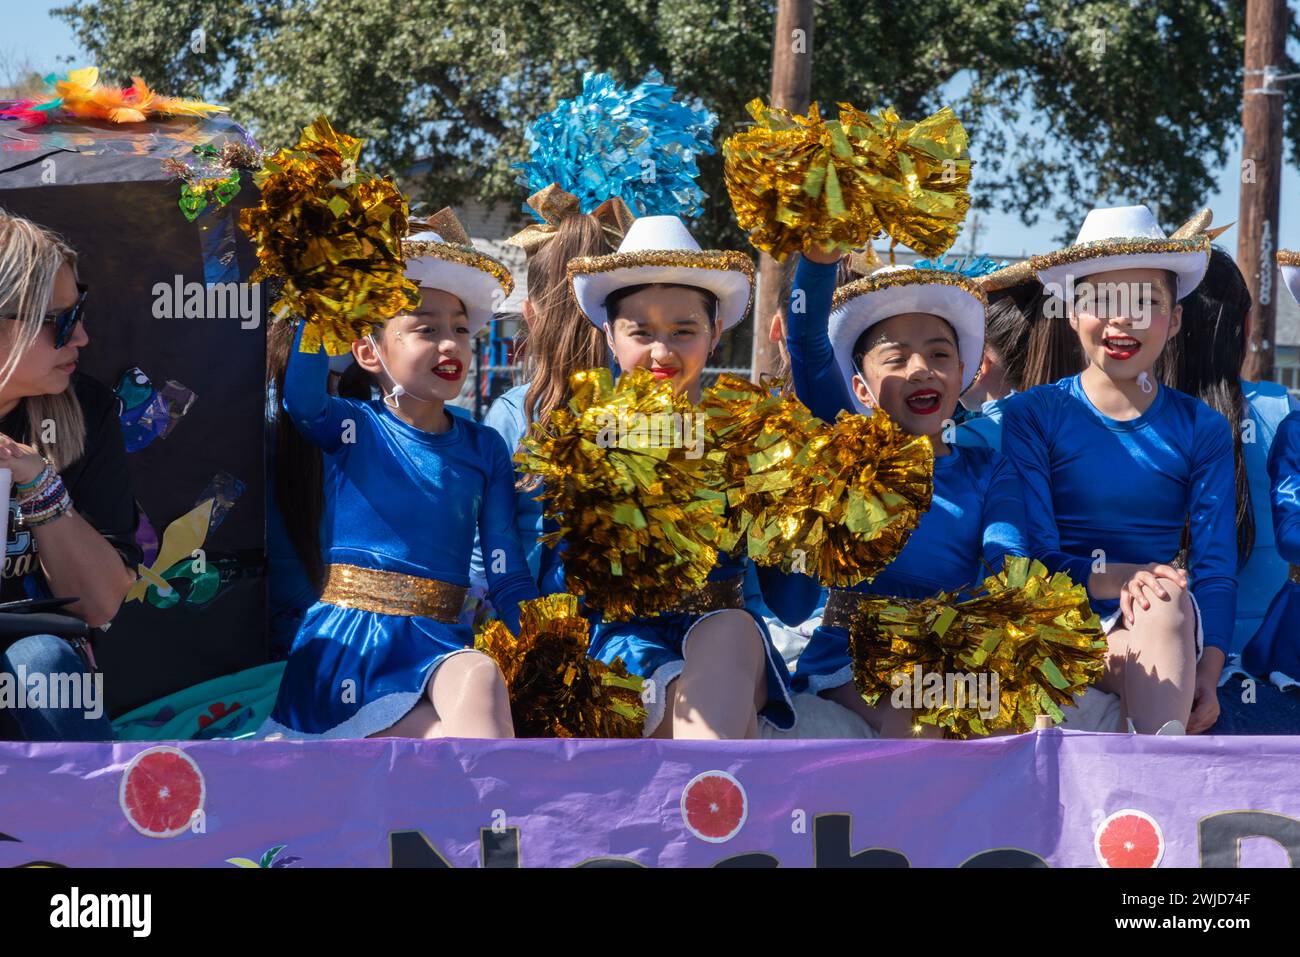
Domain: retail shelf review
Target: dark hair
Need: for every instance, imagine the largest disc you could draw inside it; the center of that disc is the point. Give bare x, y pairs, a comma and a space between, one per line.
615, 298
861, 347
1204, 360
1032, 347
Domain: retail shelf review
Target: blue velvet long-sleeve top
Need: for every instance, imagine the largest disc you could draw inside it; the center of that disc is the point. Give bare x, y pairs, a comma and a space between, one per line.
404, 500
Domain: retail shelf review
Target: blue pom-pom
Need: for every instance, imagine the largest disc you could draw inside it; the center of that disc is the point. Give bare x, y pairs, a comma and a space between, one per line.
970, 268
639, 144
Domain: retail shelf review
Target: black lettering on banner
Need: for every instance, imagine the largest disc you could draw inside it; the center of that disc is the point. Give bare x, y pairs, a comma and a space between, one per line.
1220, 835
749, 860
499, 849
603, 862
1004, 857
832, 847
412, 849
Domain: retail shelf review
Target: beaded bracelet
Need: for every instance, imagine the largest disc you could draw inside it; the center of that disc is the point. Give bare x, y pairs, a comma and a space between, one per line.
45, 499
37, 486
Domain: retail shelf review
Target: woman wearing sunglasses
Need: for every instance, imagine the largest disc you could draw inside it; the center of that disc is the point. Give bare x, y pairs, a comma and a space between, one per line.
72, 515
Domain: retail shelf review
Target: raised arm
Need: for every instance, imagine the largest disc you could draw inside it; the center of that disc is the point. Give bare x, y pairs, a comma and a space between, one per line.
509, 581
318, 415
817, 380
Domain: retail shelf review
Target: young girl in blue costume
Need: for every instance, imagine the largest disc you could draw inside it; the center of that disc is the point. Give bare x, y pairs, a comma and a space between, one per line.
663, 304
406, 484
1205, 360
559, 342
1114, 465
1275, 647
908, 341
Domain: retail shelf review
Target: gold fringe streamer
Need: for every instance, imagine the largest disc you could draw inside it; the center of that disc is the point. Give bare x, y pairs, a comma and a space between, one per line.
800, 181
556, 689
1035, 632
642, 514
333, 234
855, 496
765, 436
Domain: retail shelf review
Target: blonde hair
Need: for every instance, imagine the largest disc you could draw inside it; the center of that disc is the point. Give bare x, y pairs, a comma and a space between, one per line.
30, 259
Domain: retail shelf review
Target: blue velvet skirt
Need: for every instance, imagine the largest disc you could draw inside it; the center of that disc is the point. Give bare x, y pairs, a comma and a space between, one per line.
1276, 645
824, 663
351, 673
655, 649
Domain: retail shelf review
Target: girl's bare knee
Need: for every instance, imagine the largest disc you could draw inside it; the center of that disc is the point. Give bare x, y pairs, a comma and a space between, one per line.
1170, 616
733, 633
474, 676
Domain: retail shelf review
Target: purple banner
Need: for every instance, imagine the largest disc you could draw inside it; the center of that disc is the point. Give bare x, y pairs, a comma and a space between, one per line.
1056, 798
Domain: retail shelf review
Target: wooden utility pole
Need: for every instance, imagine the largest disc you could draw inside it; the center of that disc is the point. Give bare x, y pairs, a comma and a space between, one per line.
791, 90
1261, 174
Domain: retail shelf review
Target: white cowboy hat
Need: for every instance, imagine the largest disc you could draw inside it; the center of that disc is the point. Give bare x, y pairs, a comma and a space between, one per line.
443, 257
1124, 237
896, 290
660, 249
1288, 260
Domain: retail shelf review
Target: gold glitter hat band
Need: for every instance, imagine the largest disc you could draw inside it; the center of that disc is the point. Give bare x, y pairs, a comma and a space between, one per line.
660, 249
1126, 237
391, 593
1289, 262
442, 257
894, 291
1014, 275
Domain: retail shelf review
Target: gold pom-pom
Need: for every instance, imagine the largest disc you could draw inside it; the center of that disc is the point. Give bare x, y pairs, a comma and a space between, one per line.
856, 495
1031, 635
638, 497
556, 689
333, 234
801, 182
764, 434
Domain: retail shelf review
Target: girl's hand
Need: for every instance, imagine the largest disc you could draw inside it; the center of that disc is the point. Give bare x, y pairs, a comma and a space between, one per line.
1205, 702
1144, 586
23, 460
826, 257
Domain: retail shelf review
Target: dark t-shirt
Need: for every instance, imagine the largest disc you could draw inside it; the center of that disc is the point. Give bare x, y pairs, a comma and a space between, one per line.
97, 482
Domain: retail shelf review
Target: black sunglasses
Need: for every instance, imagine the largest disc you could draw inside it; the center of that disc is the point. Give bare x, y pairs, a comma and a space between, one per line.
66, 321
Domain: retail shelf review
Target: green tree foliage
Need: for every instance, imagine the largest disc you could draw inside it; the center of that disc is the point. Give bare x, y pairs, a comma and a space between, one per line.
1124, 99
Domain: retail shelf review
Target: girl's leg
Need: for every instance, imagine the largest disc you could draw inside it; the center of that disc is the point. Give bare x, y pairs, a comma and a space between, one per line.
1151, 664
723, 682
886, 720
466, 698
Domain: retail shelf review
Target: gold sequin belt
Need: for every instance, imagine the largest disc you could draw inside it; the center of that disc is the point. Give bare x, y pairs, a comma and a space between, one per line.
391, 593
1295, 574
714, 596
840, 606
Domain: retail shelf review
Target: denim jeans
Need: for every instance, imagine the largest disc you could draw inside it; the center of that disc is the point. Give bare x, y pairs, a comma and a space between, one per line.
46, 655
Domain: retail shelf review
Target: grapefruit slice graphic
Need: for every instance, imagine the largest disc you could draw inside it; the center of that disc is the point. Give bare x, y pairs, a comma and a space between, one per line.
714, 806
161, 789
1129, 838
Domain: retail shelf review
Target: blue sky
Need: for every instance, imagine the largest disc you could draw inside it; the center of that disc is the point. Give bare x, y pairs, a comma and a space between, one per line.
33, 33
